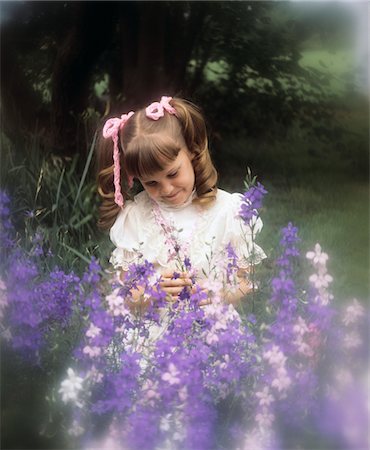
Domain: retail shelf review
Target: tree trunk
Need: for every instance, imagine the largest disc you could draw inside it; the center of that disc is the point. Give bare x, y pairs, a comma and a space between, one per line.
23, 113
89, 35
156, 45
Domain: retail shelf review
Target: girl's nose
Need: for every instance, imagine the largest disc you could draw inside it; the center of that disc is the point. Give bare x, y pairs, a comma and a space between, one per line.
166, 188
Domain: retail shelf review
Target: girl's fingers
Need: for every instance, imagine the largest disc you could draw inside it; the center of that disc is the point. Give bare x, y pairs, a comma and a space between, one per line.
173, 290
178, 282
174, 275
167, 274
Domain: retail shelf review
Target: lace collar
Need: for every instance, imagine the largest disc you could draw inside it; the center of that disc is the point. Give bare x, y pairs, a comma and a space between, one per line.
166, 207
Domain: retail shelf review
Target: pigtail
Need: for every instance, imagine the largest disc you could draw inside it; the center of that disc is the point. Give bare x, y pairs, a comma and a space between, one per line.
195, 135
108, 209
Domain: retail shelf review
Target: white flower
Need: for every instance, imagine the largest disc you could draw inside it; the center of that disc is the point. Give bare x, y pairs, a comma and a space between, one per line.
165, 424
70, 387
3, 298
76, 429
7, 335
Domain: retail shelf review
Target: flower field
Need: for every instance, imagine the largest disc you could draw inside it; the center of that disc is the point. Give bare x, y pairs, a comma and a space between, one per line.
286, 369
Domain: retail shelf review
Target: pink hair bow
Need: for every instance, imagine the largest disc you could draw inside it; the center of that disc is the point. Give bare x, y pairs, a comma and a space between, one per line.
111, 130
156, 110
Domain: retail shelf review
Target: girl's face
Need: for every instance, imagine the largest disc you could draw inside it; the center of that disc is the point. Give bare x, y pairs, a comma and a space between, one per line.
175, 183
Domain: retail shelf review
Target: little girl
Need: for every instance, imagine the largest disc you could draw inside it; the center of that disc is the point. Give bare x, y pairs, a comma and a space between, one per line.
181, 222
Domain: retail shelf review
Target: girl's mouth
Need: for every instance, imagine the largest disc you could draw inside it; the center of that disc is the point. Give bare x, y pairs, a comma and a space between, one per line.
171, 197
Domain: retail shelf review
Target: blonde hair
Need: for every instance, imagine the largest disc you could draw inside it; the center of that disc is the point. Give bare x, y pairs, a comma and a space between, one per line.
148, 147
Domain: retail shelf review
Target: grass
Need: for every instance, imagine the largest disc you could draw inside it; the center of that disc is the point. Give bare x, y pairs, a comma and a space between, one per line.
334, 215
51, 198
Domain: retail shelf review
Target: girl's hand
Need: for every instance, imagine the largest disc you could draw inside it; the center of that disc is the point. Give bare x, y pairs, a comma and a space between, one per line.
173, 283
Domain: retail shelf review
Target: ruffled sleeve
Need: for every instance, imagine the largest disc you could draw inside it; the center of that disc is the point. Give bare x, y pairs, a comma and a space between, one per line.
126, 235
243, 236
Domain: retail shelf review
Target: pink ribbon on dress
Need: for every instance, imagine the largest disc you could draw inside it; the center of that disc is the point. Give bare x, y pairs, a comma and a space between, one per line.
111, 130
156, 110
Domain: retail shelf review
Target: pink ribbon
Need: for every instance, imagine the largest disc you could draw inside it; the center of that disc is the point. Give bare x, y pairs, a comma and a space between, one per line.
156, 110
110, 130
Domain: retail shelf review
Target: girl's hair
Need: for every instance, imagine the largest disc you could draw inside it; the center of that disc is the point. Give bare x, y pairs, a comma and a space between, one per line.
148, 147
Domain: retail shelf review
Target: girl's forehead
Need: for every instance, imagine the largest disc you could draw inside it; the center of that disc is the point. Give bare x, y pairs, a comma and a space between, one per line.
168, 166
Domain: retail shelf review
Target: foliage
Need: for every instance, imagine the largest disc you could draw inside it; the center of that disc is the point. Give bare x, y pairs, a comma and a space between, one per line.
224, 55
55, 207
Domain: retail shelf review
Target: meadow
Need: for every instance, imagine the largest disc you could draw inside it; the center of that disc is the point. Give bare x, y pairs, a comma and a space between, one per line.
321, 186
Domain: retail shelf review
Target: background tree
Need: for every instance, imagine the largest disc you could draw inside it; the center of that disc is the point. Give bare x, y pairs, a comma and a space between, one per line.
239, 57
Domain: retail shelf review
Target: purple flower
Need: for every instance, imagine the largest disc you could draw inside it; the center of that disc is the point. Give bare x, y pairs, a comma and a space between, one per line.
37, 306
6, 227
252, 202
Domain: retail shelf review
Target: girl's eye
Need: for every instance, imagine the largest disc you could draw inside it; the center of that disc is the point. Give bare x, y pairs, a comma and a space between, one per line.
151, 183
173, 175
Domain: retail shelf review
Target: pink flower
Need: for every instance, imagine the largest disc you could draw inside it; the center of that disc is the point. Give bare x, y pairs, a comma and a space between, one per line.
265, 397
183, 393
274, 356
151, 391
93, 331
353, 312
171, 375
317, 256
352, 340
300, 327
92, 351
265, 418
282, 381
320, 280
116, 304
212, 337
2, 285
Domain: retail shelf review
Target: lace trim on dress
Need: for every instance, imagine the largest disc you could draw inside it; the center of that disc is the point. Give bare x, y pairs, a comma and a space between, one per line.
122, 258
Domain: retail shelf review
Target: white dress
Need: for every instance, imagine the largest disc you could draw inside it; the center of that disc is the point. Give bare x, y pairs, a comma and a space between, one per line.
203, 233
